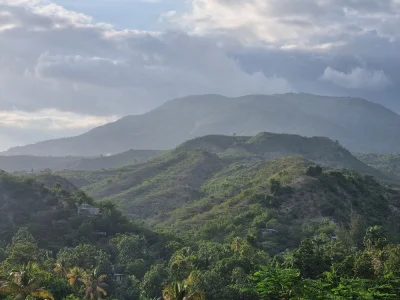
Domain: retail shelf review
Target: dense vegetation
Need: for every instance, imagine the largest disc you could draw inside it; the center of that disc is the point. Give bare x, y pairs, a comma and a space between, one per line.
238, 218
129, 262
386, 163
236, 182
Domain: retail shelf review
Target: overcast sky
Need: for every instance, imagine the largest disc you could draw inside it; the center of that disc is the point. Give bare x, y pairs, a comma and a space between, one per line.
69, 65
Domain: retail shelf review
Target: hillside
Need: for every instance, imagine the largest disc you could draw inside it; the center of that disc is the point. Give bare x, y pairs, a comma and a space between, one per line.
386, 163
47, 206
44, 238
264, 230
225, 178
27, 163
25, 201
357, 124
237, 199
266, 145
224, 150
275, 201
165, 182
232, 217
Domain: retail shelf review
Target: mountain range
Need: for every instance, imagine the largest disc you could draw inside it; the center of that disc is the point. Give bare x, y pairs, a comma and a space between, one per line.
177, 176
222, 186
359, 125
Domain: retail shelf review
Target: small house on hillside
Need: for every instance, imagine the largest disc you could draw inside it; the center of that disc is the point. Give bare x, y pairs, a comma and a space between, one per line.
118, 277
87, 209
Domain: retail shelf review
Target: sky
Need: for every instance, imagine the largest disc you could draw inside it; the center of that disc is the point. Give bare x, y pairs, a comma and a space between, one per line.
67, 66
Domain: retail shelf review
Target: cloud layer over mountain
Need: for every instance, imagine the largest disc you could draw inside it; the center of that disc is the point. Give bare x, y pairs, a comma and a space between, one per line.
60, 61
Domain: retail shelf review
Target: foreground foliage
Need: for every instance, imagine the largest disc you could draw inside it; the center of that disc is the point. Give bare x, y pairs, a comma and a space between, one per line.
322, 267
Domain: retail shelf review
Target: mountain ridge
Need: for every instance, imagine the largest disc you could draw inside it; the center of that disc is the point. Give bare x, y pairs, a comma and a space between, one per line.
358, 124
27, 163
179, 176
220, 187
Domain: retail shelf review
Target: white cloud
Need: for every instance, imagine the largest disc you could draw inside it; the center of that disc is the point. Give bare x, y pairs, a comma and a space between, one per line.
71, 63
20, 127
53, 59
290, 22
51, 119
357, 78
167, 16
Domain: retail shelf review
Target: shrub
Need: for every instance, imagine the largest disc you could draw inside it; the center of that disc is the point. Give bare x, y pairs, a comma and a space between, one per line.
314, 170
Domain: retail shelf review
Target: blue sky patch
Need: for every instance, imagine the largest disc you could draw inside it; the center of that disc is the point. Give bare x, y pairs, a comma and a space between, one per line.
133, 14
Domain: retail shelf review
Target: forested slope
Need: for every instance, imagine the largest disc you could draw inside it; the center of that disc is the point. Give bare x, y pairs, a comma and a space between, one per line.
217, 187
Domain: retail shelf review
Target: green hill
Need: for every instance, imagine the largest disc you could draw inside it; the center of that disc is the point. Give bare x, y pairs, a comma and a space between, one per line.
217, 187
386, 163
45, 239
50, 212
265, 145
146, 188
271, 216
276, 200
226, 149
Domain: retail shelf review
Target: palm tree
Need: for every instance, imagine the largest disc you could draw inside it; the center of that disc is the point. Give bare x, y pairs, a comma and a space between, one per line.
180, 291
182, 262
74, 275
60, 269
236, 244
183, 290
24, 283
94, 285
375, 237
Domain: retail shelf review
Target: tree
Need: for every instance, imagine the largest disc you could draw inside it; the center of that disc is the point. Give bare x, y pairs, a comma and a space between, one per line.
23, 248
375, 238
74, 274
363, 267
183, 290
276, 283
275, 187
60, 269
24, 283
314, 170
127, 289
309, 258
95, 286
84, 256
129, 246
182, 263
154, 280
180, 291
57, 286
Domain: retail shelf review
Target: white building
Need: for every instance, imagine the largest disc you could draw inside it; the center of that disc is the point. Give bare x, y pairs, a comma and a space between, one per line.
87, 209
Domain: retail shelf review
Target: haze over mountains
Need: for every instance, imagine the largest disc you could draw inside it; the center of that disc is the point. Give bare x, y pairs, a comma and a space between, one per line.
357, 124
25, 163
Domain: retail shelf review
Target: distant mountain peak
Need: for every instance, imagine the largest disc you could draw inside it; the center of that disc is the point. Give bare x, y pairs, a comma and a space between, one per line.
359, 125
